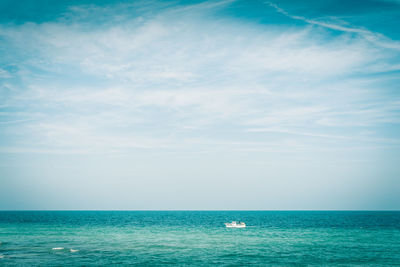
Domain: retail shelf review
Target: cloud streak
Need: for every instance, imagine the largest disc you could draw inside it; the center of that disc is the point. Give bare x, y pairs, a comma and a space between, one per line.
373, 37
155, 79
164, 101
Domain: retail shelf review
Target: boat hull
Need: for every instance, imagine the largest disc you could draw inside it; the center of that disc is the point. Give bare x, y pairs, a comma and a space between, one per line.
236, 226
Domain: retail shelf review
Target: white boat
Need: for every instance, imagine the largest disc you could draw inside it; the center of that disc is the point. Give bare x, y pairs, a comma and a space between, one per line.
235, 224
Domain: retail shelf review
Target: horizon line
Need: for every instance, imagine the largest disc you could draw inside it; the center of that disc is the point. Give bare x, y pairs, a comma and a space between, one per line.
378, 210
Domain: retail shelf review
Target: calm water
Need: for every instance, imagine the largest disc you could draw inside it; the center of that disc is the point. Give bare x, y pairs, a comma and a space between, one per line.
199, 238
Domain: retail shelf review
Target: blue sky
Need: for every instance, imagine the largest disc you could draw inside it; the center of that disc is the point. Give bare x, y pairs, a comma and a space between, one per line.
199, 105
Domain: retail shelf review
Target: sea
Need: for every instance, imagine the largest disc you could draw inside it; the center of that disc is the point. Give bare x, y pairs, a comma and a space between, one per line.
200, 238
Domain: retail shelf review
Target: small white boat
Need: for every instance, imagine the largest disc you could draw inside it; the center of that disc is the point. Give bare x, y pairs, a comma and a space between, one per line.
235, 224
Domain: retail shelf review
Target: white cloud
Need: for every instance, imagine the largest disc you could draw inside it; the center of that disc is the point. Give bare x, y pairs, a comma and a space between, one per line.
151, 81
376, 38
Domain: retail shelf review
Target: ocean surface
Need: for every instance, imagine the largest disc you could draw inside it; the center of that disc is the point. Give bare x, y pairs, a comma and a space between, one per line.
152, 238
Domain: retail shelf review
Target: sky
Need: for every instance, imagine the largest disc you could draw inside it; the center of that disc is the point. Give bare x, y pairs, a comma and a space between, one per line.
194, 105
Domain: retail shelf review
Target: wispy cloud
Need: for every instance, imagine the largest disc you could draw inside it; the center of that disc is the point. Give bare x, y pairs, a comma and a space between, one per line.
236, 98
151, 80
376, 38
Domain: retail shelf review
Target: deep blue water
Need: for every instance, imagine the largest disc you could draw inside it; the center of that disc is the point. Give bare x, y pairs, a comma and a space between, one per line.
200, 238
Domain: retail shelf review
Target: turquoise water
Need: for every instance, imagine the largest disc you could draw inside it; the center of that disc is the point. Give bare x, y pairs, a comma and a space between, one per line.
199, 238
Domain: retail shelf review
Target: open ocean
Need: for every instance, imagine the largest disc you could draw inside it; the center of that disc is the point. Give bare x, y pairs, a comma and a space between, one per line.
278, 238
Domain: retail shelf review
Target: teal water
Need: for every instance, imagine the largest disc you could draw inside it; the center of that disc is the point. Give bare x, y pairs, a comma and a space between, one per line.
278, 238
